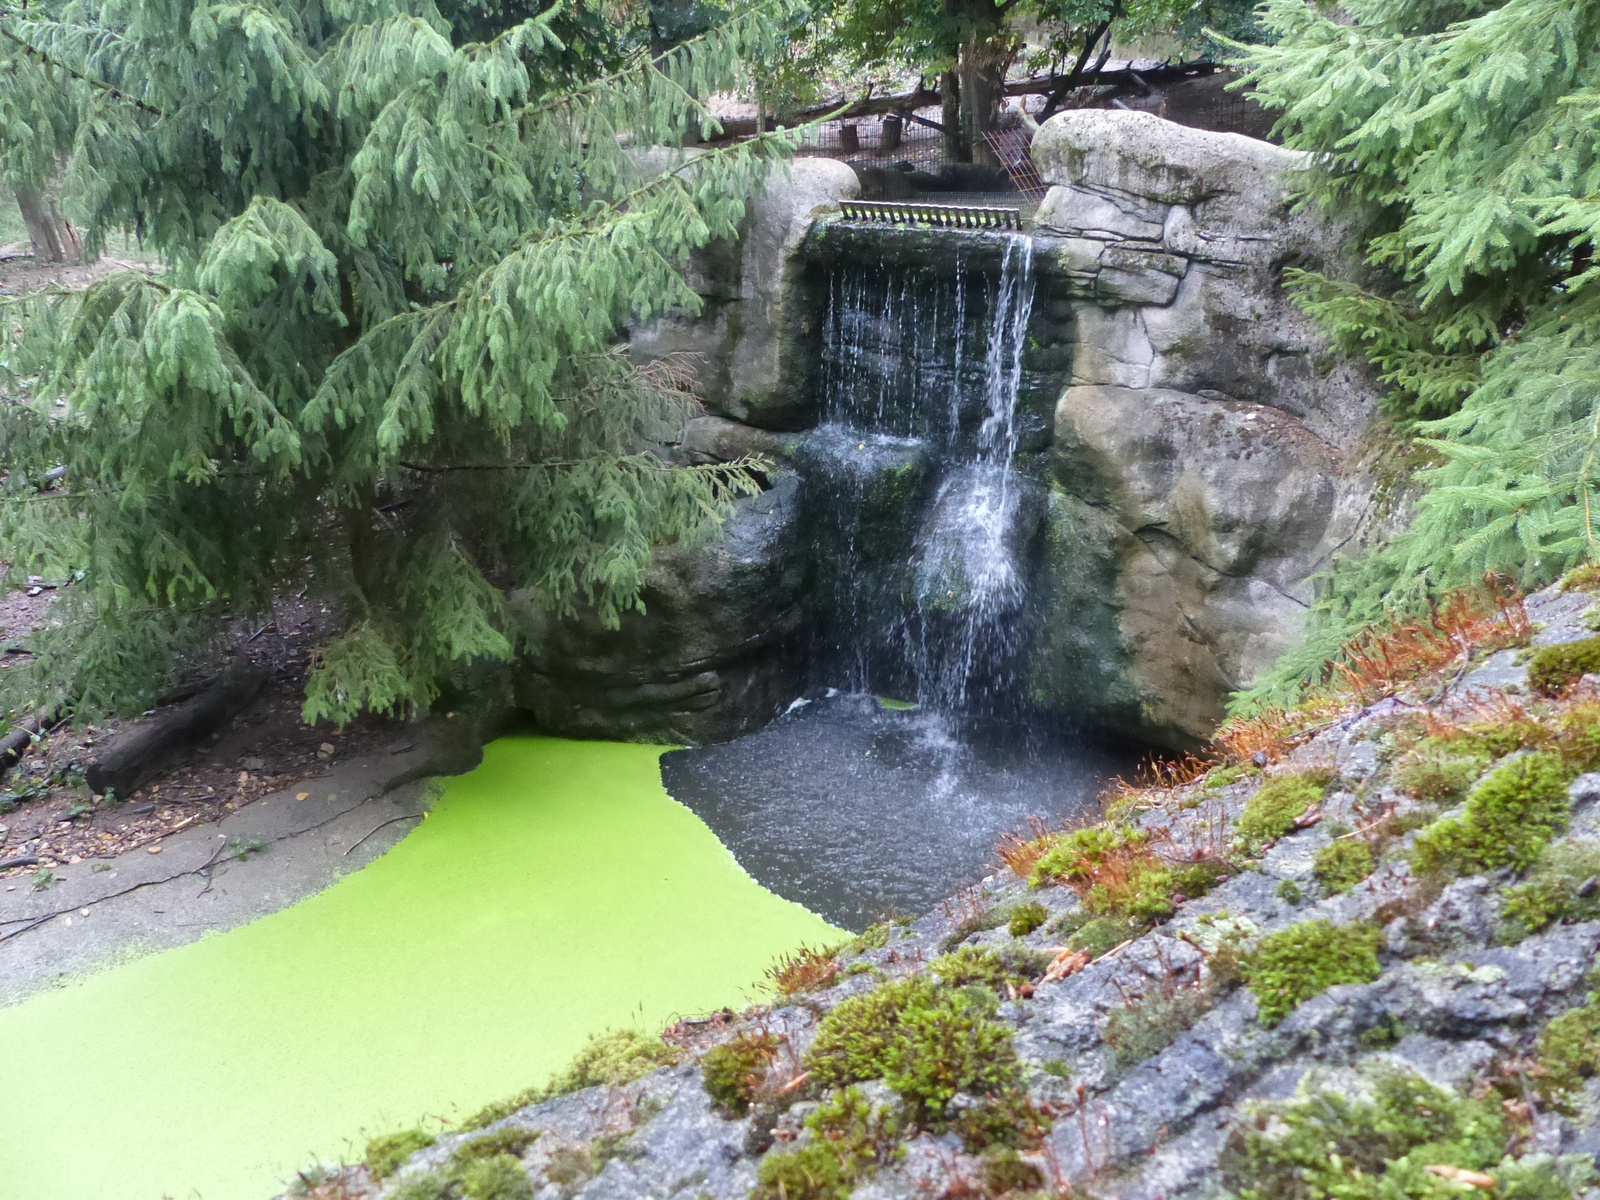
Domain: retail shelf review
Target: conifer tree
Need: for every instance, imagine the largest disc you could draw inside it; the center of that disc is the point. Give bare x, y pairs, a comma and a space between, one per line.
1464, 133
399, 240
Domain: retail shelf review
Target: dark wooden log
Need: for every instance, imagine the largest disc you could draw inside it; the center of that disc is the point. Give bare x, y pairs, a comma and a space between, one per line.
127, 762
16, 742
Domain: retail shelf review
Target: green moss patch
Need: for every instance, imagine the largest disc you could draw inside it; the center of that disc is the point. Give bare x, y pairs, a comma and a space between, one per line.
928, 1042
1553, 667
615, 1057
553, 892
1025, 918
734, 1070
851, 1140
1509, 819
1378, 1142
1560, 887
1343, 863
1119, 874
1440, 771
1289, 967
999, 968
1569, 1047
1277, 804
385, 1154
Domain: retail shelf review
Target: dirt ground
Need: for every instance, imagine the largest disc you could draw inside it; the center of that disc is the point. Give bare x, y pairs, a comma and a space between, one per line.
47, 812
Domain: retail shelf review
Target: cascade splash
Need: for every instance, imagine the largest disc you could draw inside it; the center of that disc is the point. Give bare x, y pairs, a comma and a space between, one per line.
923, 522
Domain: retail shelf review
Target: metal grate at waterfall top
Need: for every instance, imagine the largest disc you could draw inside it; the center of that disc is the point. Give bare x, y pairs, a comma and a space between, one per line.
944, 216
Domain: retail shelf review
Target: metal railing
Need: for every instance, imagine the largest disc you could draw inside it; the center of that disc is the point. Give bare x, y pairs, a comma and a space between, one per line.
947, 216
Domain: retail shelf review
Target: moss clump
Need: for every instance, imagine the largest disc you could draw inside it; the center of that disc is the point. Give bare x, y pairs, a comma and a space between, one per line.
1560, 887
1291, 966
1220, 777
1101, 934
616, 1057
1000, 968
1005, 1172
1148, 1025
485, 1168
874, 937
1119, 874
1278, 802
1510, 818
1025, 918
1569, 1047
851, 1140
927, 1041
1440, 770
734, 1070
1342, 864
511, 1141
386, 1153
1378, 1145
1553, 667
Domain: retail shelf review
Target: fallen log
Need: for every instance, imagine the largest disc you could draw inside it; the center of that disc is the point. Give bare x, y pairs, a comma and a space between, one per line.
16, 742
124, 764
908, 102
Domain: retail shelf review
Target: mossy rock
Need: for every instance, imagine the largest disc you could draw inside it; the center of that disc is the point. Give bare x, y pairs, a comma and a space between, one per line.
1343, 863
1439, 770
734, 1070
386, 1154
1278, 803
1025, 918
1553, 667
616, 1057
1289, 967
1509, 819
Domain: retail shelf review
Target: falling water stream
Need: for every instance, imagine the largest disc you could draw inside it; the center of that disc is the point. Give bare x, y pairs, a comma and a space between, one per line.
923, 535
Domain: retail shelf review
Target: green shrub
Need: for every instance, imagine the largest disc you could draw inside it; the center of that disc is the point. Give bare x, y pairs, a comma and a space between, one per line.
1025, 918
927, 1042
851, 1141
1272, 811
1343, 863
1326, 1143
991, 967
734, 1070
1509, 819
616, 1057
385, 1154
1553, 667
1291, 966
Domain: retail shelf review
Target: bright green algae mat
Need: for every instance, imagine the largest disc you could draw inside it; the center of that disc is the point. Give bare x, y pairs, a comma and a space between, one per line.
555, 891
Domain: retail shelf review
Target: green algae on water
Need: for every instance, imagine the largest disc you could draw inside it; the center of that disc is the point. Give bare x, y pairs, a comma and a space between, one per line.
554, 892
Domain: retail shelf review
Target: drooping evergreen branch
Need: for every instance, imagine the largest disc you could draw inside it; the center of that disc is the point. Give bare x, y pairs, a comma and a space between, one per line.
50, 60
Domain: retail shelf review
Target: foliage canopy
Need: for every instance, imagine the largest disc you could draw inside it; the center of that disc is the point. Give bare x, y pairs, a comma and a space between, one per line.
400, 238
1463, 133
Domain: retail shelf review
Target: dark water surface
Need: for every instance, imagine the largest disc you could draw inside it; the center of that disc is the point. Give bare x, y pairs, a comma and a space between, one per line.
860, 812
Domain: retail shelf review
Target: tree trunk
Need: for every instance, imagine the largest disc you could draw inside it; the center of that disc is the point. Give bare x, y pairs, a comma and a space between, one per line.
984, 60
43, 232
955, 145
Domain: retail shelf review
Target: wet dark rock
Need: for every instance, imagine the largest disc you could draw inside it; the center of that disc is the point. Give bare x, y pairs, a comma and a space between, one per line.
717, 651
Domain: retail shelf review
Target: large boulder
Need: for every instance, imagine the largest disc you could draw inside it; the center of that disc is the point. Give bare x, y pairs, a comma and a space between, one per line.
746, 344
715, 653
1205, 447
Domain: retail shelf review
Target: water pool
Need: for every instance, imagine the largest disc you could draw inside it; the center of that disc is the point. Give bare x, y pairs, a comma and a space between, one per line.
555, 891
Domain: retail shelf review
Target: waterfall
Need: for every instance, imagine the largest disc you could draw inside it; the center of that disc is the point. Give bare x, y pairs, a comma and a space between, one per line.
921, 521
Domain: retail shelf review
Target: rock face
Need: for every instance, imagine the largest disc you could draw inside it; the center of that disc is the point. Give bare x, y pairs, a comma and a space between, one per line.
1196, 1054
1197, 436
714, 654
1203, 447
